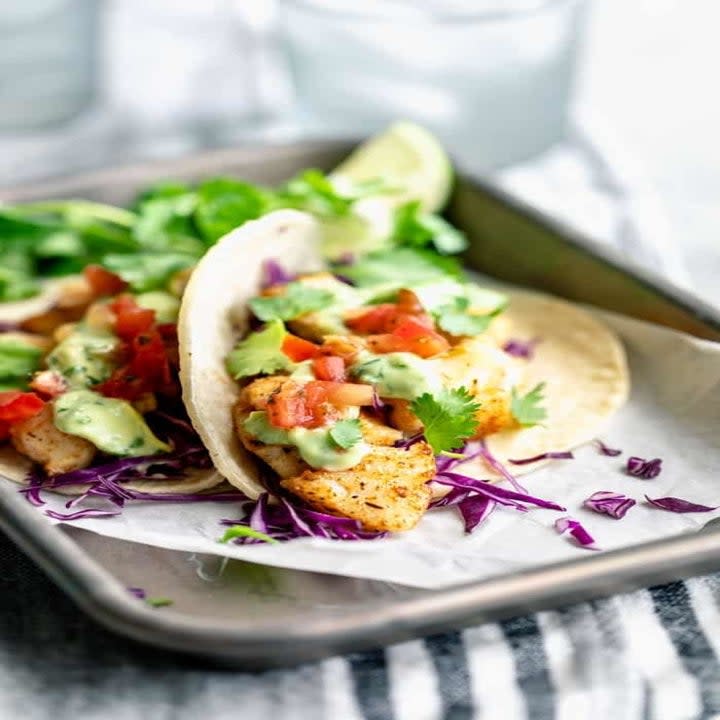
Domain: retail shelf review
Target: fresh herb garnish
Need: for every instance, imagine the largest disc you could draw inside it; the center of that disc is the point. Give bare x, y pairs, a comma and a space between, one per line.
297, 300
260, 353
158, 602
346, 433
402, 267
448, 418
18, 361
420, 230
238, 531
527, 409
456, 318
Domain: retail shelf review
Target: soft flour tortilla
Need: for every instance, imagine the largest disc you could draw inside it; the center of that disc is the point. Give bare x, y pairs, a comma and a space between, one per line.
214, 315
584, 368
581, 361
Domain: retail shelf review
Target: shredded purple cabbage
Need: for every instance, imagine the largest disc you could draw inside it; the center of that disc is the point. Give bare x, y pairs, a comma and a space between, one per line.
498, 467
521, 348
6, 326
274, 274
408, 442
285, 520
106, 482
609, 503
678, 505
470, 451
606, 450
578, 532
139, 593
559, 455
475, 510
645, 469
500, 495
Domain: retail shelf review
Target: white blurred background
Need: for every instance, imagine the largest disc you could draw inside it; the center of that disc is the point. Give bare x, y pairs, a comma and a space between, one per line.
87, 83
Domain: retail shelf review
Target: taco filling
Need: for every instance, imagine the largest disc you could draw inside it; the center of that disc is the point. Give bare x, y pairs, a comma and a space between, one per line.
94, 379
349, 375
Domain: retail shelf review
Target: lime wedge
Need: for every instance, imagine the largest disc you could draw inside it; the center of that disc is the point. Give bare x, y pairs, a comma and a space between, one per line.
408, 157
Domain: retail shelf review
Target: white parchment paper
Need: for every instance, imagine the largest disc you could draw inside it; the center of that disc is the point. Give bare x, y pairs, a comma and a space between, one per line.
673, 413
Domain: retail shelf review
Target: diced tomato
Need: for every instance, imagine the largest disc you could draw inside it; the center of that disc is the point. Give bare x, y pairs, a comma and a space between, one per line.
298, 349
410, 335
329, 367
314, 404
386, 317
408, 302
102, 281
372, 321
130, 318
16, 406
148, 353
343, 394
48, 383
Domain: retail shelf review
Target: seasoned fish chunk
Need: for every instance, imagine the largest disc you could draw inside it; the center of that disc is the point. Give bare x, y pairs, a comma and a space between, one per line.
38, 439
489, 375
386, 491
377, 433
256, 394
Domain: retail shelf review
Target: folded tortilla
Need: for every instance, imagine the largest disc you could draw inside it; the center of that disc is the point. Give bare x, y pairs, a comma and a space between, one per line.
581, 361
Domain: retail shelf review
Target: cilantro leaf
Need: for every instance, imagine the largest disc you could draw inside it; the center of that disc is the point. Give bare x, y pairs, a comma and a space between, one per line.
236, 531
260, 353
18, 361
346, 433
448, 418
296, 300
403, 266
224, 204
158, 601
147, 270
419, 229
455, 319
527, 409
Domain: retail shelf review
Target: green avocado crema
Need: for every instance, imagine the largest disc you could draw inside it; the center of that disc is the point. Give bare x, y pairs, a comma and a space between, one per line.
399, 375
315, 446
112, 425
84, 357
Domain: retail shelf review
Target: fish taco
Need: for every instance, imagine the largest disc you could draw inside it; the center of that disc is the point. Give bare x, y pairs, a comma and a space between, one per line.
346, 387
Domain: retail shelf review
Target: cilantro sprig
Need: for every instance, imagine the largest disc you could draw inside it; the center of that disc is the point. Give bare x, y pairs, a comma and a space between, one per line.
418, 229
346, 433
448, 418
527, 409
297, 300
456, 318
260, 353
237, 531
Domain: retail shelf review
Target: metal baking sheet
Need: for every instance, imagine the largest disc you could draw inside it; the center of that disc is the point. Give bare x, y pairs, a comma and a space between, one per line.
255, 616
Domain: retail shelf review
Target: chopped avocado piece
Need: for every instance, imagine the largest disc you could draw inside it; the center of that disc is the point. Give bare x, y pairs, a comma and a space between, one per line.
112, 425
165, 305
85, 357
18, 361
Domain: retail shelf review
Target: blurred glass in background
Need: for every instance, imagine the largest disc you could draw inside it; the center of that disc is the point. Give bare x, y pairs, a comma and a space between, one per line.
48, 67
492, 77
90, 82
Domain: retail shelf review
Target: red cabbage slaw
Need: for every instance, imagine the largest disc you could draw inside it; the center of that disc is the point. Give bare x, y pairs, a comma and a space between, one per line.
645, 469
581, 536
